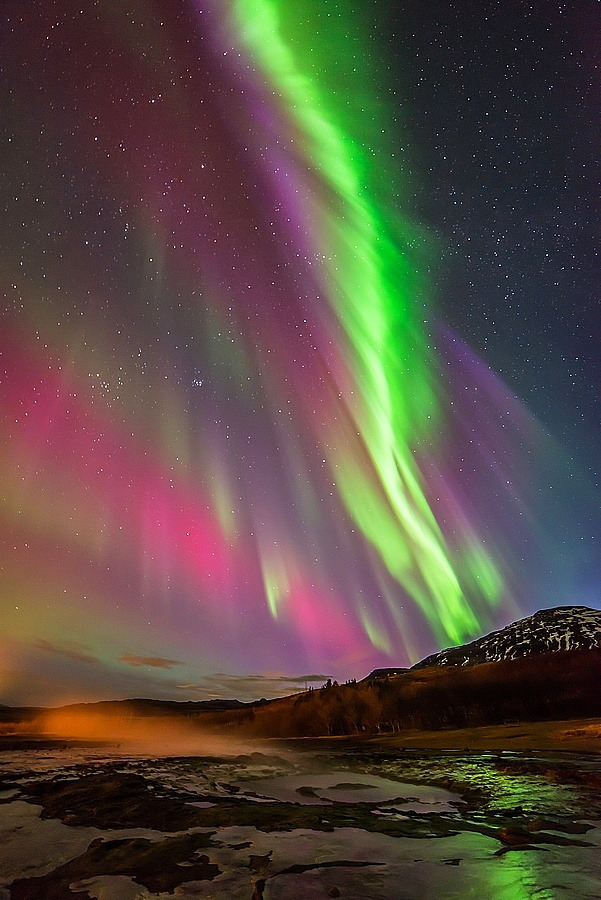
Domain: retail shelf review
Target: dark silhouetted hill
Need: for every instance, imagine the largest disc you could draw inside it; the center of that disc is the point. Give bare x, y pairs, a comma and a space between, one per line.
544, 667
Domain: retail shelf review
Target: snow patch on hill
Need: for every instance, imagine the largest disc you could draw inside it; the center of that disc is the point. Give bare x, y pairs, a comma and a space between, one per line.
549, 630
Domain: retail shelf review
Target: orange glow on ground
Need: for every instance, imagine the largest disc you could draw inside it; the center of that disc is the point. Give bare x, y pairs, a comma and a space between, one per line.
144, 735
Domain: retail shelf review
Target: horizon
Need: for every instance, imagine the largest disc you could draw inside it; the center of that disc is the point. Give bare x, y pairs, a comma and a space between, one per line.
296, 685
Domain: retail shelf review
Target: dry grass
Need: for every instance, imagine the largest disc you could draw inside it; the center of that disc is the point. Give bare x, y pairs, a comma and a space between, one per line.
573, 735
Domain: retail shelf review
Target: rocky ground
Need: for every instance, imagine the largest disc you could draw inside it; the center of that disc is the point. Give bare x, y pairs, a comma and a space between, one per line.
310, 820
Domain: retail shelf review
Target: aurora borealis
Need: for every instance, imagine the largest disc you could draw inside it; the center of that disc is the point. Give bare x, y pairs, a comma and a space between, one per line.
239, 433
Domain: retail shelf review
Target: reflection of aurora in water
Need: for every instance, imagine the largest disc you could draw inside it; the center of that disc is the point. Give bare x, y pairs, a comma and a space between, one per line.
519, 877
524, 788
501, 790
430, 845
231, 440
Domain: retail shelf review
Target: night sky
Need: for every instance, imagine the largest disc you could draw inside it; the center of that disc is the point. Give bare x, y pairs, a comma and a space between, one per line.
299, 338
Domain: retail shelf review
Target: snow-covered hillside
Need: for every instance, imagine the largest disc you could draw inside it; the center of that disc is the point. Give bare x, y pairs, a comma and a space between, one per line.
560, 628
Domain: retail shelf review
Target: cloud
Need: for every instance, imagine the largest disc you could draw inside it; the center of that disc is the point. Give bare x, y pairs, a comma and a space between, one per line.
250, 687
304, 678
74, 650
155, 662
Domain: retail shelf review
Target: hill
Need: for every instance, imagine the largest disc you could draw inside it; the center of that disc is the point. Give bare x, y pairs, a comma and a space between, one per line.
547, 631
559, 685
544, 667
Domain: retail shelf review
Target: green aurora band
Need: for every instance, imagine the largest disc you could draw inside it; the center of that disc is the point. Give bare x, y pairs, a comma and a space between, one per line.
369, 271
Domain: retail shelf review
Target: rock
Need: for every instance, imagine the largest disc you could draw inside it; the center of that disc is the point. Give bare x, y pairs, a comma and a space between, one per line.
514, 836
155, 864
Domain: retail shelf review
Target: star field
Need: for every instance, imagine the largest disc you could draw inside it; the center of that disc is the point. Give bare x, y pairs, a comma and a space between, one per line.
299, 338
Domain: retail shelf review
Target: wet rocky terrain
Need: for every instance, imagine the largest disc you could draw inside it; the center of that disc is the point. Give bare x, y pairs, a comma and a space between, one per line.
303, 819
